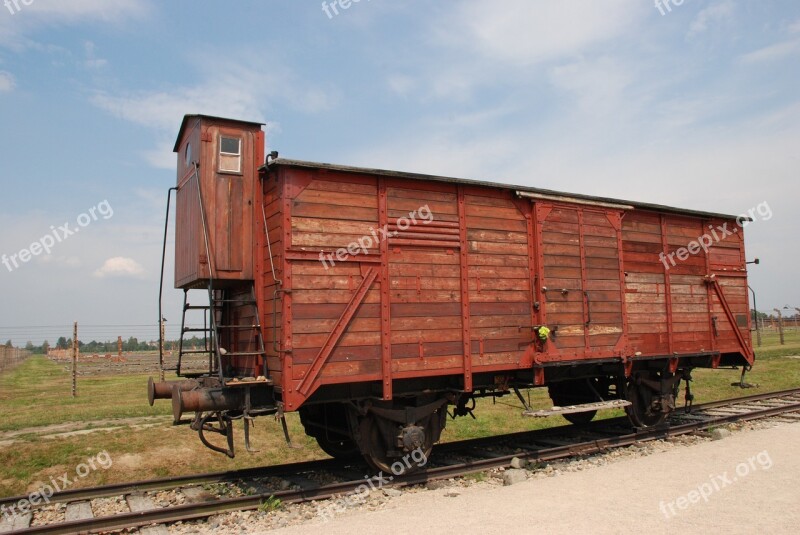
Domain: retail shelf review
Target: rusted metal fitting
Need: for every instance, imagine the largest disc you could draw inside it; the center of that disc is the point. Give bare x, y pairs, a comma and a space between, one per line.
163, 389
205, 400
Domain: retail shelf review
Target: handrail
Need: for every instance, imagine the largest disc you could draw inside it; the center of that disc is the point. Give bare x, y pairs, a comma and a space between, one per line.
161, 288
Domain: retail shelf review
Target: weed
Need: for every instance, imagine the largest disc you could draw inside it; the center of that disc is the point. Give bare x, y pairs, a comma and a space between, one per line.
270, 504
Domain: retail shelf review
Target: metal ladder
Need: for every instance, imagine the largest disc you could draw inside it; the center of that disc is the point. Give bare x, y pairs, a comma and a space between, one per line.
214, 316
221, 323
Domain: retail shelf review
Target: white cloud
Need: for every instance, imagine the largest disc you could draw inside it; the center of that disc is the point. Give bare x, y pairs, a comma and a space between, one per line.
14, 30
772, 52
61, 261
715, 14
598, 86
486, 44
92, 61
524, 32
7, 82
120, 267
400, 84
243, 91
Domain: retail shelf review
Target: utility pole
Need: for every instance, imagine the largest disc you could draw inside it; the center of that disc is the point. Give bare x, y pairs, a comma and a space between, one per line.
780, 325
75, 360
119, 347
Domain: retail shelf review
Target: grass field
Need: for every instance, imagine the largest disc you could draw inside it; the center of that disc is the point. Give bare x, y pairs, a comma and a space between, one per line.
37, 394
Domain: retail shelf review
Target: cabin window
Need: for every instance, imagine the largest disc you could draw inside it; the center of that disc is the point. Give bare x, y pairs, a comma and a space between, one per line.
187, 153
230, 154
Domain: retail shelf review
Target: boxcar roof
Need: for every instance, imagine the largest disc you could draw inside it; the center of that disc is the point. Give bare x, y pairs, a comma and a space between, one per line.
436, 178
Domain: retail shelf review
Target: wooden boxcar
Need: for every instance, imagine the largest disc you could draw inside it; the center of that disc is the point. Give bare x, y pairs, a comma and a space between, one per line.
371, 300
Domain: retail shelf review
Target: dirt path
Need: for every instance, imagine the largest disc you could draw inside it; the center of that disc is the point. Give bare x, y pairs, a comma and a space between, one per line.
744, 483
7, 438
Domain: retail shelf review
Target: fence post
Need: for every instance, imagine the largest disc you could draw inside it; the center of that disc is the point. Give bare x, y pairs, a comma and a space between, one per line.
75, 360
780, 325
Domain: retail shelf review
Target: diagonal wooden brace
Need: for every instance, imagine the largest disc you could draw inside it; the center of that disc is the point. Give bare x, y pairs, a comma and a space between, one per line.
712, 280
337, 332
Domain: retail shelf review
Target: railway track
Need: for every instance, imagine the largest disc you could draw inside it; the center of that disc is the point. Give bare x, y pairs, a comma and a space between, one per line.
449, 460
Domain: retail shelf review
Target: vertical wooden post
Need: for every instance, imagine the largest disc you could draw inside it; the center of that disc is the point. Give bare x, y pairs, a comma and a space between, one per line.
780, 325
75, 360
758, 331
119, 347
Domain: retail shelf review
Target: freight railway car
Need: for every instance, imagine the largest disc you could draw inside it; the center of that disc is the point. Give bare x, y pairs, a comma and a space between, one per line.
373, 301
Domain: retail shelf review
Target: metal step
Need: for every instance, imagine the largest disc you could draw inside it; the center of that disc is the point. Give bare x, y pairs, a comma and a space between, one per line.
584, 407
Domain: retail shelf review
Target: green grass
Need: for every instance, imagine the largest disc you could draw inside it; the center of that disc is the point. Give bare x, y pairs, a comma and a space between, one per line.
771, 346
39, 392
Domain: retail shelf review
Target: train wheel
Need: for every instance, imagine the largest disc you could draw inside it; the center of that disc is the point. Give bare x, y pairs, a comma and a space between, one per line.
328, 425
652, 398
576, 392
376, 453
343, 448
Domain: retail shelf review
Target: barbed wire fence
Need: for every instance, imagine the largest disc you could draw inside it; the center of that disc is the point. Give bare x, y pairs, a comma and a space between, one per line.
11, 357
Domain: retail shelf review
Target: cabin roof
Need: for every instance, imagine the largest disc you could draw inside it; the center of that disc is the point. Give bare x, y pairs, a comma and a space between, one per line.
210, 118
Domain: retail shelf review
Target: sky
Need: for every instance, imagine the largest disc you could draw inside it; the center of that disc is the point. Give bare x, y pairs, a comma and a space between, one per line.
688, 103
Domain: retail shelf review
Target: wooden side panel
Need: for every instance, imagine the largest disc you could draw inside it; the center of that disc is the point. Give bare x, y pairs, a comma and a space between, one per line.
645, 283
388, 279
330, 213
190, 264
422, 332
241, 340
229, 225
424, 272
500, 279
311, 331
228, 203
333, 212
581, 283
672, 307
270, 267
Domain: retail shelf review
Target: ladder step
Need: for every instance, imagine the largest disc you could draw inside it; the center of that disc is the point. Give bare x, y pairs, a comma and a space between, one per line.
196, 307
240, 301
246, 354
196, 329
583, 407
238, 326
197, 351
